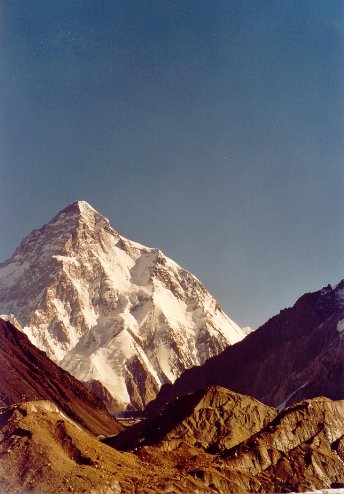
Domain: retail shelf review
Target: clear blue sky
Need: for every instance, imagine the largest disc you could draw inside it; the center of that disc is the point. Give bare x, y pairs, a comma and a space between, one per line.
210, 129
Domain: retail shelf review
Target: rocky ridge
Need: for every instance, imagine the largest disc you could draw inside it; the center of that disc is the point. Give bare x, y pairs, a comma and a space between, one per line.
109, 310
298, 449
42, 451
26, 373
213, 419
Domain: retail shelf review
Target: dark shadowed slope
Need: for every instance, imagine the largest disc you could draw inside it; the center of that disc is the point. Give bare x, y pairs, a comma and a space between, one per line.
26, 373
297, 354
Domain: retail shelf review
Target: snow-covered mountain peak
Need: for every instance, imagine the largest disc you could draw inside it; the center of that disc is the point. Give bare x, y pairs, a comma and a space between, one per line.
83, 212
83, 206
72, 229
108, 309
83, 218
79, 207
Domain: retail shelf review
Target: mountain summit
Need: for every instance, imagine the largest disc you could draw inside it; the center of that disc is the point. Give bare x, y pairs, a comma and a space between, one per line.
111, 311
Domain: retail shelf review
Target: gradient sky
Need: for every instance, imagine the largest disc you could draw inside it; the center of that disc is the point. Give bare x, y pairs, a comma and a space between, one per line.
210, 129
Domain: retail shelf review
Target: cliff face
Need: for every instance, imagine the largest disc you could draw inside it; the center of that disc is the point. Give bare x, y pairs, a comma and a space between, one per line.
297, 354
26, 373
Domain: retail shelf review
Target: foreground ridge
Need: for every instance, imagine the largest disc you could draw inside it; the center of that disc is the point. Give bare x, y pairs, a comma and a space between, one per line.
296, 450
256, 449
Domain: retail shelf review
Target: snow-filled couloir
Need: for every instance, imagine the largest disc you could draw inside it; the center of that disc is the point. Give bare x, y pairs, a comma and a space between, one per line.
111, 311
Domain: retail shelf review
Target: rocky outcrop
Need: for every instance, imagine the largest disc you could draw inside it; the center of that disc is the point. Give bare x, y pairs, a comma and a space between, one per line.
110, 310
297, 354
44, 452
300, 450
212, 419
26, 373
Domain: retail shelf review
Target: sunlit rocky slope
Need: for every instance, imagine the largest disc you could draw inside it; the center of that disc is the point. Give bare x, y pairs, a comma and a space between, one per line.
44, 452
260, 450
233, 443
213, 419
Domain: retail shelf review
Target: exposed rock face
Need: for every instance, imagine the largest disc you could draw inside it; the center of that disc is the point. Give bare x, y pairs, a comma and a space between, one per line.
26, 373
108, 309
300, 450
213, 419
297, 354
